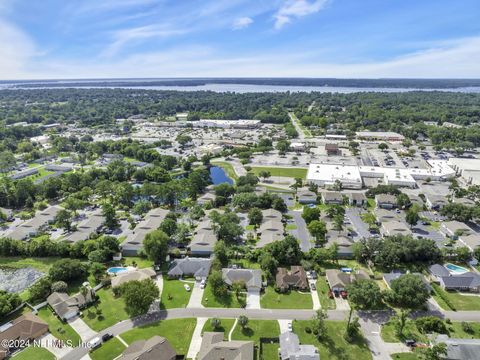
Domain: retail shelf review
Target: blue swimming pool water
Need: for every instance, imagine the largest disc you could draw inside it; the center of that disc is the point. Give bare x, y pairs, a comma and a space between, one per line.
114, 270
456, 269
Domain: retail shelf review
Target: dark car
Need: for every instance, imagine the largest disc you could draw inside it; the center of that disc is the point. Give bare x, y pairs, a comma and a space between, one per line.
336, 293
343, 294
106, 337
313, 287
410, 343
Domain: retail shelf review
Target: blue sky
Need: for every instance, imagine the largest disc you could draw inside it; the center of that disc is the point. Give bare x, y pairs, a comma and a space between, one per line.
185, 38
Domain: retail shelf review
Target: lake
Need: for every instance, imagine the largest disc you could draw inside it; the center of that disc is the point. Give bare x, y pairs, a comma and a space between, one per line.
218, 176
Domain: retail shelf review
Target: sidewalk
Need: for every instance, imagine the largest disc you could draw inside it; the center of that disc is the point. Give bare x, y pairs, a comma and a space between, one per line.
196, 342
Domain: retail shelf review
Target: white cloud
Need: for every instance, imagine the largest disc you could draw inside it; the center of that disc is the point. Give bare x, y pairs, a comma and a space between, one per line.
296, 9
242, 23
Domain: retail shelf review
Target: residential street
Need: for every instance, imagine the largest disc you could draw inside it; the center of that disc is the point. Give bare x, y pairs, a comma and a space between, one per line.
361, 228
301, 232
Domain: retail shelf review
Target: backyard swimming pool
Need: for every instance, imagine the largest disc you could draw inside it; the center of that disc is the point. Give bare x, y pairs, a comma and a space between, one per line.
116, 270
455, 269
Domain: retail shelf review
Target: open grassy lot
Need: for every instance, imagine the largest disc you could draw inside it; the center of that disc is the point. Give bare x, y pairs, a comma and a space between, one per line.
41, 264
58, 329
37, 353
229, 170
178, 332
280, 171
109, 350
459, 301
334, 346
256, 329
108, 311
270, 351
291, 300
225, 327
174, 294
322, 289
209, 300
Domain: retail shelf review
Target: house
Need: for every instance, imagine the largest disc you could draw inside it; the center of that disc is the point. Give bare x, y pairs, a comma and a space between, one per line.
204, 239
386, 201
134, 241
296, 279
459, 349
25, 328
394, 275
24, 173
90, 225
305, 196
383, 215
196, 267
155, 348
471, 241
67, 307
213, 347
455, 228
251, 278
332, 150
270, 231
36, 224
395, 227
357, 199
435, 202
468, 281
338, 280
139, 275
332, 198
290, 348
343, 241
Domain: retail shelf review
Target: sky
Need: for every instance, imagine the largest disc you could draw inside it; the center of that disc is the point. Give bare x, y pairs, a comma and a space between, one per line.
239, 38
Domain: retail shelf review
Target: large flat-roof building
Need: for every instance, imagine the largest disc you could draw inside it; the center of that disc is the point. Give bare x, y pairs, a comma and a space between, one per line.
379, 135
327, 174
469, 169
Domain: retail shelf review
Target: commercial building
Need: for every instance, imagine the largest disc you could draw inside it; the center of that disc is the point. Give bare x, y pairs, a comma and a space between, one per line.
327, 174
227, 124
468, 169
379, 135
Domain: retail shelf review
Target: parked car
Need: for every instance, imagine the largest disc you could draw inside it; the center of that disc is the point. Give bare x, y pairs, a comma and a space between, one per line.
343, 294
336, 293
410, 343
290, 328
202, 284
187, 288
94, 343
106, 337
312, 286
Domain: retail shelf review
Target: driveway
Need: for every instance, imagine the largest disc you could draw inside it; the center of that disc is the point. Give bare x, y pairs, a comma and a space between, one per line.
82, 328
196, 341
196, 297
283, 324
315, 298
253, 299
49, 342
301, 232
342, 304
159, 283
358, 224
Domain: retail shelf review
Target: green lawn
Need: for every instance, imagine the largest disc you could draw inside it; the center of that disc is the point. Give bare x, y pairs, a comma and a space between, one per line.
174, 294
256, 329
292, 300
322, 289
459, 301
37, 353
456, 330
280, 171
209, 300
291, 227
225, 327
270, 351
109, 350
41, 264
112, 311
245, 264
178, 332
58, 329
229, 170
334, 346
141, 262
405, 356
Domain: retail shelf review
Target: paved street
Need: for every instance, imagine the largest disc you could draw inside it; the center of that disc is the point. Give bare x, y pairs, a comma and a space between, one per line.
361, 228
301, 232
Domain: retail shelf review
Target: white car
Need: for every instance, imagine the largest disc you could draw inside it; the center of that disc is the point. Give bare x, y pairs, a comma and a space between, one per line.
290, 326
202, 284
187, 288
94, 343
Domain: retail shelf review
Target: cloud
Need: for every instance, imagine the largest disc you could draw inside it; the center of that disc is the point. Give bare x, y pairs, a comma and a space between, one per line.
242, 23
296, 9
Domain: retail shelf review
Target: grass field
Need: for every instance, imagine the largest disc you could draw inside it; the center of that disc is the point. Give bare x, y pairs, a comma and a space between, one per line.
459, 301
225, 327
270, 351
58, 329
279, 171
256, 329
334, 347
174, 294
41, 264
178, 332
209, 300
109, 350
405, 356
112, 311
292, 300
141, 262
322, 289
37, 353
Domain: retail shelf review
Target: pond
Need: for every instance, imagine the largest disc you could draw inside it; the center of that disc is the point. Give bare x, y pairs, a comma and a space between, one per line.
17, 280
218, 176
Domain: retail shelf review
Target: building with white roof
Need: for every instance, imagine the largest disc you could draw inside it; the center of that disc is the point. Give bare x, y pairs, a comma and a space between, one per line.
380, 135
469, 169
327, 174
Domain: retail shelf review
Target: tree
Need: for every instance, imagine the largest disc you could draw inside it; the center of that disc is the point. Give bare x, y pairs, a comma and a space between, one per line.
8, 302
219, 288
243, 321
108, 211
309, 214
319, 326
168, 226
318, 230
67, 269
403, 201
220, 252
64, 219
138, 295
409, 292
156, 246
215, 323
268, 264
412, 217
40, 290
365, 294
264, 174
283, 146
255, 216
383, 146
436, 352
59, 286
183, 139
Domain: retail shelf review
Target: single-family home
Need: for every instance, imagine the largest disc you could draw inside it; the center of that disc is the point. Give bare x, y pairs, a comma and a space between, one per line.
338, 280
126, 276
357, 199
27, 327
196, 267
459, 349
213, 347
467, 281
394, 275
290, 348
343, 241
296, 279
251, 277
67, 307
204, 239
332, 198
386, 201
155, 348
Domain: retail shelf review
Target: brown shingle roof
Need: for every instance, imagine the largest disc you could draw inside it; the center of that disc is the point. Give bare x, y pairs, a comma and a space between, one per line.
296, 278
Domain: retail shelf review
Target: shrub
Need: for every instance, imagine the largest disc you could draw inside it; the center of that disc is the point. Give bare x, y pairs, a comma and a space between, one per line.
467, 327
308, 330
431, 324
59, 286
